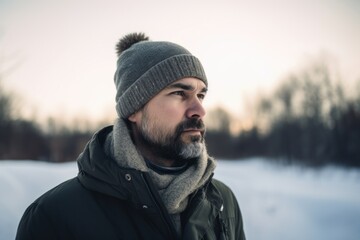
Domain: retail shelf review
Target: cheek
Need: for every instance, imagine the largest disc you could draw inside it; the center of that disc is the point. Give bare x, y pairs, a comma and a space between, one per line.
170, 112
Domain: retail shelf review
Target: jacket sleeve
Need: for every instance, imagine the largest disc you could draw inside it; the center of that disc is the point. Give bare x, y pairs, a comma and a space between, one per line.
34, 224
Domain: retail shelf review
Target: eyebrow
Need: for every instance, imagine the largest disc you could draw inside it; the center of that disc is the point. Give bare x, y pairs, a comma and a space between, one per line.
186, 87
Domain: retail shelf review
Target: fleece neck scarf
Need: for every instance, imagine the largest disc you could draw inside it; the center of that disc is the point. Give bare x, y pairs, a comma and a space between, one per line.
174, 190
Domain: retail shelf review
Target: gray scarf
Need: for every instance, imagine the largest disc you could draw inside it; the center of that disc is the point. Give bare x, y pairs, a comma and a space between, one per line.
174, 190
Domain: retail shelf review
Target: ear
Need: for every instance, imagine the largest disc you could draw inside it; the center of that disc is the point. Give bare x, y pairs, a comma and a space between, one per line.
134, 117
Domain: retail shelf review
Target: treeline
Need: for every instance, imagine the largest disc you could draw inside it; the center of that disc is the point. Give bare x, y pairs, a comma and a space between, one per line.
308, 119
25, 139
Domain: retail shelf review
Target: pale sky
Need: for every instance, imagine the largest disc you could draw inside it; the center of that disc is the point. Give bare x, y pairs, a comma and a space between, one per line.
65, 58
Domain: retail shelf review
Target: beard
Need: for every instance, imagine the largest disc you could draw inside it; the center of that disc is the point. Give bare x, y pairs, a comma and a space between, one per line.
169, 144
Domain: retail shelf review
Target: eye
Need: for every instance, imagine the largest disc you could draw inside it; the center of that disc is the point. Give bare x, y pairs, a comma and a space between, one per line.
179, 93
201, 96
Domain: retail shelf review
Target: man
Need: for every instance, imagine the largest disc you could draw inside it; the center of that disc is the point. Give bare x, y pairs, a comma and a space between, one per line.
149, 176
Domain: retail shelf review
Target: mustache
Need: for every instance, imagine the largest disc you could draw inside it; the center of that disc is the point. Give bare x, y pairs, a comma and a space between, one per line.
192, 123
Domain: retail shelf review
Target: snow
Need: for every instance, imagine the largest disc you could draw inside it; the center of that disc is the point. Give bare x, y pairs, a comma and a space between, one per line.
277, 202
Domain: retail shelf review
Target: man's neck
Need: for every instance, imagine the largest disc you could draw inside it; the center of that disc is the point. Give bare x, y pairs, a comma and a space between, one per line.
166, 170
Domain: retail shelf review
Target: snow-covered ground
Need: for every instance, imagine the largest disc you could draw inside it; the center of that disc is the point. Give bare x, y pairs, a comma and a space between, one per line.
277, 202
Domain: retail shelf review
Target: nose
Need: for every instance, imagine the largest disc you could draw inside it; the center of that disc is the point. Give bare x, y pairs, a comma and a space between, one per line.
195, 109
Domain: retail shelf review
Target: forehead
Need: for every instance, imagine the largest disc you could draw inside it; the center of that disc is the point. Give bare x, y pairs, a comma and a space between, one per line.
192, 83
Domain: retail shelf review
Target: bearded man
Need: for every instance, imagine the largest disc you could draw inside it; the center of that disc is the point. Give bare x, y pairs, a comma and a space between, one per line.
149, 176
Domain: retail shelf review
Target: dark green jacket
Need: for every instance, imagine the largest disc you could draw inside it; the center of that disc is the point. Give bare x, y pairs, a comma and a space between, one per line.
108, 202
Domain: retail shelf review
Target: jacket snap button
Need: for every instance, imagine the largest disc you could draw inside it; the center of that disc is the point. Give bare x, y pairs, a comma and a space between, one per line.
128, 177
145, 207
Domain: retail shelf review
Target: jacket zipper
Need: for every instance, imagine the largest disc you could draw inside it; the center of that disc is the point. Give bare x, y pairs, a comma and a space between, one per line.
223, 229
163, 212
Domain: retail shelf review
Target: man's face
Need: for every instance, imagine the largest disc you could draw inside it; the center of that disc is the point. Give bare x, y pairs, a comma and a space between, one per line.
170, 125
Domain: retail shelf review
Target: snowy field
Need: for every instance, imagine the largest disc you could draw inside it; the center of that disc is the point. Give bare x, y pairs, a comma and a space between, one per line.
278, 203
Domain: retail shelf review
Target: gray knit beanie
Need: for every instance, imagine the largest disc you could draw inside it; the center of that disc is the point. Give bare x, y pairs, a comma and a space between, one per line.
146, 67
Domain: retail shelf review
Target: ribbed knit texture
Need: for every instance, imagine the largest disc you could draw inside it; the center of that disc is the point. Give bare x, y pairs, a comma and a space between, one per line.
146, 68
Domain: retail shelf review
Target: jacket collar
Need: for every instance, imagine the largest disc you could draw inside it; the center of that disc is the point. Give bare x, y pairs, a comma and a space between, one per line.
100, 173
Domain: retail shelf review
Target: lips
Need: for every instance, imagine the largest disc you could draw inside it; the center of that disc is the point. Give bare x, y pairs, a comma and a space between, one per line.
195, 130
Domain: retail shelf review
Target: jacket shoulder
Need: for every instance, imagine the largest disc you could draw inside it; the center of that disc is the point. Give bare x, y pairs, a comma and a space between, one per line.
67, 191
225, 191
41, 218
219, 184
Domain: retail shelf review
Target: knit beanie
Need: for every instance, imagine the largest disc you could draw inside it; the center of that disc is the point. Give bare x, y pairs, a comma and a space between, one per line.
146, 67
